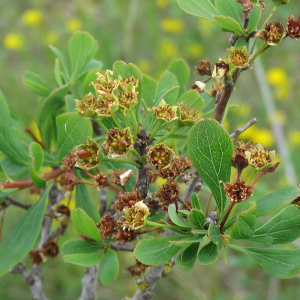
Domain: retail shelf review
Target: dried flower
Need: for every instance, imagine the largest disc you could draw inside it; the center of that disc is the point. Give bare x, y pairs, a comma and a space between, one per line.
272, 34
37, 257
121, 177
118, 142
125, 235
50, 249
216, 89
160, 156
239, 159
221, 69
178, 166
62, 214
101, 180
204, 67
152, 176
127, 200
187, 116
260, 158
239, 57
136, 270
169, 193
238, 191
136, 216
107, 225
69, 161
165, 112
293, 28
199, 86
68, 181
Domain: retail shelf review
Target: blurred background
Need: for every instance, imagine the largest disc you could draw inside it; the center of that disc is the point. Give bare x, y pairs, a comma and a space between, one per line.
150, 34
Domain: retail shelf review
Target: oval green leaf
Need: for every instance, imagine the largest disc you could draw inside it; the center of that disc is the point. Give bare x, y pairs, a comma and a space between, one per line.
254, 18
110, 268
197, 218
36, 84
208, 254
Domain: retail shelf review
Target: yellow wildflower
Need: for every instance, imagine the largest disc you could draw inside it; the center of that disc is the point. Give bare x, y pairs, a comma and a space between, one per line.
276, 76
263, 136
168, 48
51, 37
172, 25
13, 41
162, 3
294, 138
74, 24
32, 17
195, 50
206, 27
144, 66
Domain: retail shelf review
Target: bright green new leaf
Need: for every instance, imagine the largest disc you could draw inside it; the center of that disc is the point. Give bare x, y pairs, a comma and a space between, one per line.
157, 251
186, 259
84, 224
110, 267
228, 8
244, 225
199, 8
281, 229
57, 73
82, 253
210, 148
276, 200
195, 201
93, 65
127, 70
148, 90
181, 70
62, 60
176, 219
197, 218
214, 235
229, 24
167, 88
193, 99
87, 86
22, 238
241, 43
254, 18
35, 162
36, 84
72, 129
279, 262
208, 254
82, 48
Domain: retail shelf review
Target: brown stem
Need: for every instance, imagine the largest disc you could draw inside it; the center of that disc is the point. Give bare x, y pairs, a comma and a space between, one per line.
208, 204
28, 130
87, 173
242, 129
184, 204
230, 207
121, 248
8, 201
147, 230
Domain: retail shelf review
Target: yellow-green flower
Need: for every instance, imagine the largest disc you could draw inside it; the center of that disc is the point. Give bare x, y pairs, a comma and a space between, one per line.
13, 41
172, 25
162, 3
165, 112
168, 49
259, 158
74, 24
32, 17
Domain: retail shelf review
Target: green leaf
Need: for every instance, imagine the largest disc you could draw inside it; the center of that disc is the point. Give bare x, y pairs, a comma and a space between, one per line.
85, 201
12, 171
156, 251
210, 148
228, 8
48, 112
254, 18
279, 262
241, 43
72, 129
127, 70
281, 229
87, 86
229, 24
36, 84
199, 8
276, 200
188, 240
177, 219
57, 73
186, 259
61, 59
35, 162
9, 144
148, 90
181, 70
197, 218
208, 254
110, 268
214, 235
244, 226
167, 88
6, 193
193, 99
22, 238
82, 48
93, 64
84, 224
195, 201
82, 253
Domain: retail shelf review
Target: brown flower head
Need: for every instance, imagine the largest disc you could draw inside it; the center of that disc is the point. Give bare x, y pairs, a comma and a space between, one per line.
293, 28
68, 181
136, 216
160, 156
165, 112
127, 200
125, 236
272, 34
169, 193
221, 69
50, 249
37, 257
152, 176
118, 142
69, 161
239, 159
187, 116
204, 67
216, 89
88, 155
101, 180
107, 225
198, 86
179, 165
121, 177
239, 57
238, 191
259, 158
136, 270
62, 214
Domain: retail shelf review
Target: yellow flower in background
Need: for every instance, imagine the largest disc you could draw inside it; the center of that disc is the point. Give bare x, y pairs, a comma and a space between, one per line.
173, 25
74, 24
51, 37
280, 117
195, 50
206, 27
32, 17
263, 136
168, 48
294, 138
243, 109
144, 66
162, 3
276, 76
13, 41
34, 129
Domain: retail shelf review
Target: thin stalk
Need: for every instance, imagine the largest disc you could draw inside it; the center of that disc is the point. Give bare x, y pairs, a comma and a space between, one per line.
270, 15
155, 130
230, 207
252, 176
184, 204
117, 122
138, 156
124, 161
147, 230
174, 129
259, 51
154, 224
136, 124
1, 224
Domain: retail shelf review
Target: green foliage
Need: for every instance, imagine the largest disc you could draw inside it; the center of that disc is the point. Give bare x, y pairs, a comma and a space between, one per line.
110, 267
208, 254
214, 235
254, 18
187, 258
197, 218
36, 158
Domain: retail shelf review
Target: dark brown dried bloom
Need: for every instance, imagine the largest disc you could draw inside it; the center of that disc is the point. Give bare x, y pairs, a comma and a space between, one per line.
221, 69
160, 156
293, 28
68, 181
50, 249
238, 191
37, 257
204, 67
62, 214
297, 202
136, 270
198, 86
179, 165
121, 177
127, 200
152, 176
169, 193
215, 89
272, 34
101, 180
118, 142
239, 159
107, 225
125, 236
69, 161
